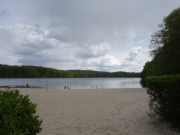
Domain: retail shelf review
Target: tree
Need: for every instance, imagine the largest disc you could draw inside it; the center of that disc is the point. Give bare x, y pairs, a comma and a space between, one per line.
165, 48
18, 114
156, 43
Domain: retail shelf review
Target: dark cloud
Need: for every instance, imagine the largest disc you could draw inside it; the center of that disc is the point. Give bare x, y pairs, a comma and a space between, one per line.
85, 34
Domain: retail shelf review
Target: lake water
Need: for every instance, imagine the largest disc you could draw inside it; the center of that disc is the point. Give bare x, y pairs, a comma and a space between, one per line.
74, 83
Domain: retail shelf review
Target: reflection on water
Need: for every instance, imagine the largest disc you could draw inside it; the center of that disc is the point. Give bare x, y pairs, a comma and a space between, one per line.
75, 83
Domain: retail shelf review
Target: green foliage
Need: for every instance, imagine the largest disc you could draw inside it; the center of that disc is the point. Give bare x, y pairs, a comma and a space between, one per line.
164, 92
165, 49
89, 73
17, 114
42, 72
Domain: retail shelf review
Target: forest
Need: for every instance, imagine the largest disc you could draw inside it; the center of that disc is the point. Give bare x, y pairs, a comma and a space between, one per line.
161, 76
7, 71
165, 49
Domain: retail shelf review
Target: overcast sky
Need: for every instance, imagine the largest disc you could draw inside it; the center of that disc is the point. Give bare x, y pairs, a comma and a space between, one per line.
105, 35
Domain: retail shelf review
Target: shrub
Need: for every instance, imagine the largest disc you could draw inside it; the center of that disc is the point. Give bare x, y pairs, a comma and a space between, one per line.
17, 114
164, 92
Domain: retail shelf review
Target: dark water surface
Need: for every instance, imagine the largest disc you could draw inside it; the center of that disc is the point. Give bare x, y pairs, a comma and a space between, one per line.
74, 83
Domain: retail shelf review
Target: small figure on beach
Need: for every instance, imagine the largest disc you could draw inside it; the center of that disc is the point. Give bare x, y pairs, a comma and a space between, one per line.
66, 87
27, 85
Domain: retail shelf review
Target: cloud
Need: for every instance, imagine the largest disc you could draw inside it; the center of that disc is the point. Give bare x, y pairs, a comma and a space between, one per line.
134, 53
135, 59
95, 50
108, 35
30, 44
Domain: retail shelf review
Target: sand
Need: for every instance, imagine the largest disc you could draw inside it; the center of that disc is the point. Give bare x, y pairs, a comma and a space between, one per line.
96, 112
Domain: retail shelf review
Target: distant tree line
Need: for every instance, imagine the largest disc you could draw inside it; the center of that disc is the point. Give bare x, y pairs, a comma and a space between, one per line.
7, 71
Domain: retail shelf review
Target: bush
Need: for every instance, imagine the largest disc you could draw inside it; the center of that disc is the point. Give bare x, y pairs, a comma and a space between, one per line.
17, 114
164, 92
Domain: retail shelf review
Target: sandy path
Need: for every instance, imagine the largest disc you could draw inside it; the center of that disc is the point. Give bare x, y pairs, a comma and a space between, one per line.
96, 112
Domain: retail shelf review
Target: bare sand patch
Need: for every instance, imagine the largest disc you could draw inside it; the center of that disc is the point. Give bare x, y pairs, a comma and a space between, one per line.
96, 112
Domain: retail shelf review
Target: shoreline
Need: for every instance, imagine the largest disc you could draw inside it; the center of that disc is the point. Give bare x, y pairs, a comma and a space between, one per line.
95, 112
24, 87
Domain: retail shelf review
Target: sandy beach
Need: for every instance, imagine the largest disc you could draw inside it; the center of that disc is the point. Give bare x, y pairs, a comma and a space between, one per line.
96, 112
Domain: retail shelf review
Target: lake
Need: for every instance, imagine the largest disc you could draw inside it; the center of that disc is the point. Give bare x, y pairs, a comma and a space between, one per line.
74, 83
